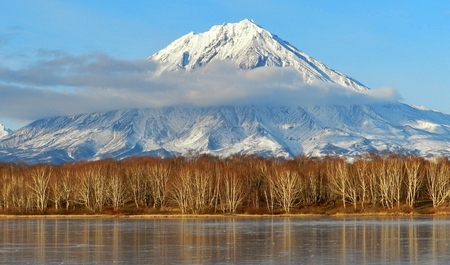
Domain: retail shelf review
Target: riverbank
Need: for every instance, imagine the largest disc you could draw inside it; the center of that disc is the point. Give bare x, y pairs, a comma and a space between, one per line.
312, 211
156, 216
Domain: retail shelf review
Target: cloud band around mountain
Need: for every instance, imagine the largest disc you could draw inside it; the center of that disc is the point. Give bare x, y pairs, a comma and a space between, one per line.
63, 84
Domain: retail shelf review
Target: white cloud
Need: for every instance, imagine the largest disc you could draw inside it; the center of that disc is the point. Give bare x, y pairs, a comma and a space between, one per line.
63, 84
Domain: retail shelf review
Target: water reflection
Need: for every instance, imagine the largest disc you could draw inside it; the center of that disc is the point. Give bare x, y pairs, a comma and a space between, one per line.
226, 241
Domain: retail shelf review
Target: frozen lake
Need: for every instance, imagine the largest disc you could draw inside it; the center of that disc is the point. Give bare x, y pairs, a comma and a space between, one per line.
226, 240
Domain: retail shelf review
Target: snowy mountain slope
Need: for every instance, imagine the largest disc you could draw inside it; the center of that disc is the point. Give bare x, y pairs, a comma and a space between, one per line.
248, 46
269, 131
4, 130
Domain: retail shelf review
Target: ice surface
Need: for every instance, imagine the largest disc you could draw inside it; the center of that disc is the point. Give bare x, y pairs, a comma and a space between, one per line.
234, 240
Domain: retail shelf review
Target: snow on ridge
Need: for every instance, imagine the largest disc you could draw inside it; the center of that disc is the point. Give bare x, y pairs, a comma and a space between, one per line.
247, 46
418, 107
222, 131
4, 130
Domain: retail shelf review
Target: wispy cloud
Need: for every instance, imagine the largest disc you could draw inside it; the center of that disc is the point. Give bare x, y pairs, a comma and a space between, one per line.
62, 84
6, 34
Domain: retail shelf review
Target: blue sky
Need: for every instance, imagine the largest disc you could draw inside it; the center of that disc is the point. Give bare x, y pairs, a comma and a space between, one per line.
403, 45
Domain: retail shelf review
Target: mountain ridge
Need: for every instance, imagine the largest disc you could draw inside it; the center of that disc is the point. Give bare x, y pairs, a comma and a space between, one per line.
222, 131
249, 46
4, 130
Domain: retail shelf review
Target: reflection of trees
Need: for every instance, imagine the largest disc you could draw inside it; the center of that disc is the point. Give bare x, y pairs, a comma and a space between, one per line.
283, 240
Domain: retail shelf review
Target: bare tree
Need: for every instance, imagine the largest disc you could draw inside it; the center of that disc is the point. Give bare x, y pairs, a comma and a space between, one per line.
181, 190
255, 172
390, 179
67, 187
374, 168
361, 173
99, 185
379, 169
313, 182
231, 189
340, 182
202, 190
21, 197
6, 186
83, 188
413, 179
157, 177
438, 181
56, 191
193, 187
40, 177
137, 183
116, 190
92, 186
286, 186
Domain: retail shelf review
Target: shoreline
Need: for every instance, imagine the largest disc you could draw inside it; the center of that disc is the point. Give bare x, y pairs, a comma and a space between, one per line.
319, 211
169, 216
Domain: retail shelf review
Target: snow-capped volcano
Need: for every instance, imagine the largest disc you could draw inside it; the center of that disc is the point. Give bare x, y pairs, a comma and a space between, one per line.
284, 131
248, 46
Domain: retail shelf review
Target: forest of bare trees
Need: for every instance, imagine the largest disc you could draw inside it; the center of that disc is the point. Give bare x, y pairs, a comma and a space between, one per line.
237, 184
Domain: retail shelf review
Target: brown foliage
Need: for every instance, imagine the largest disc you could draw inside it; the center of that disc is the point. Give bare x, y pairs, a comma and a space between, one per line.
206, 184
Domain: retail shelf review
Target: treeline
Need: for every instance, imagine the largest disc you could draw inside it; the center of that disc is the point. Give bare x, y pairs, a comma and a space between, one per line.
237, 184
